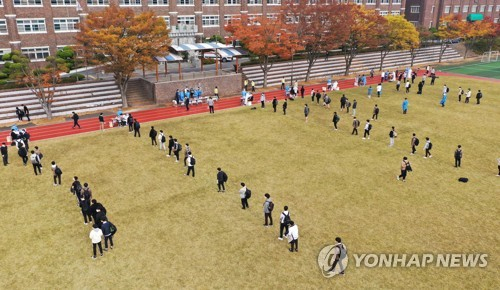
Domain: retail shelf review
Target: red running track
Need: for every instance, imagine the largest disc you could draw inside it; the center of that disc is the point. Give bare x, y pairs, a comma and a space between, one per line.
92, 124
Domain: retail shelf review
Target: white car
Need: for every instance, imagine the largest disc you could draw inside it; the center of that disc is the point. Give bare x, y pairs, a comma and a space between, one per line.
211, 55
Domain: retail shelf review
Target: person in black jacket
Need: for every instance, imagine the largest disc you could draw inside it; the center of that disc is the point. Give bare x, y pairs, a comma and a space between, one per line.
26, 112
85, 206
186, 102
25, 136
152, 135
98, 212
75, 118
479, 95
23, 153
108, 236
137, 128
458, 156
343, 101
177, 149
130, 123
101, 122
76, 188
171, 144
275, 104
19, 114
221, 179
285, 105
5, 154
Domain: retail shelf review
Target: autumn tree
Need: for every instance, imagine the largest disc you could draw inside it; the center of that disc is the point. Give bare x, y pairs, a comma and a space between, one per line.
41, 79
318, 27
265, 38
360, 24
449, 28
397, 34
472, 31
121, 41
493, 36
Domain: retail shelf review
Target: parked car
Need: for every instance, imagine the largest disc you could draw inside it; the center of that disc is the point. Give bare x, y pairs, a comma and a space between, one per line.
211, 55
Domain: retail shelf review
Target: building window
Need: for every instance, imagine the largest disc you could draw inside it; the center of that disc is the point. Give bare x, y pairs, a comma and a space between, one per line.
432, 9
157, 2
447, 9
370, 2
414, 9
185, 2
358, 2
63, 2
254, 2
66, 24
98, 2
232, 2
25, 26
384, 1
495, 20
490, 8
272, 16
3, 26
210, 2
210, 20
498, 8
188, 20
28, 3
474, 8
36, 53
130, 2
396, 1
430, 24
456, 9
465, 9
481, 8
4, 51
384, 13
395, 12
1, 4
274, 2
228, 19
167, 20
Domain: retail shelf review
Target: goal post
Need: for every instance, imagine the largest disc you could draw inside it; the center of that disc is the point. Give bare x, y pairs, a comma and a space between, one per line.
490, 56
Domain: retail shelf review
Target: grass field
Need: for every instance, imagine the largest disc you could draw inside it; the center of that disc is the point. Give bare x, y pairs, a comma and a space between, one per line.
489, 70
176, 232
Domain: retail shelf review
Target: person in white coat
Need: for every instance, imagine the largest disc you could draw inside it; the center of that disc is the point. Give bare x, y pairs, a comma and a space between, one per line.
162, 140
262, 100
96, 237
293, 237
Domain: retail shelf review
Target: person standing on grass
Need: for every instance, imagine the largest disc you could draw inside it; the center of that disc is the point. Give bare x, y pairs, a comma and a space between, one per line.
335, 120
130, 123
57, 172
163, 141
443, 100
186, 154
302, 91
414, 143
221, 179
293, 237
210, 103
405, 167
467, 96
433, 79
370, 90
458, 156
87, 192
177, 150
343, 101
347, 105
285, 106
407, 86
398, 85
152, 135
379, 90
340, 253
75, 118
313, 95
460, 93
284, 221
23, 153
275, 104
405, 105
97, 209
355, 125
376, 110
479, 95
354, 107
243, 196
368, 128
268, 210
318, 97
428, 147
85, 207
306, 112
26, 112
498, 160
5, 154
108, 235
392, 135
171, 144
420, 87
137, 128
262, 100
96, 237
423, 79
35, 161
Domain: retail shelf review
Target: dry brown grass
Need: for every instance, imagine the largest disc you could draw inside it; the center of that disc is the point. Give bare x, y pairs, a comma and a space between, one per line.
178, 232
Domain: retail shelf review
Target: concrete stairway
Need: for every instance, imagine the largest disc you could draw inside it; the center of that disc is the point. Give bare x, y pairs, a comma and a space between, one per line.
138, 95
336, 65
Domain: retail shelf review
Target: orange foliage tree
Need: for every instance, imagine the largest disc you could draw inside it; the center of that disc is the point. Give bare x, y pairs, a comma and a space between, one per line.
448, 29
264, 38
319, 27
121, 40
472, 31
